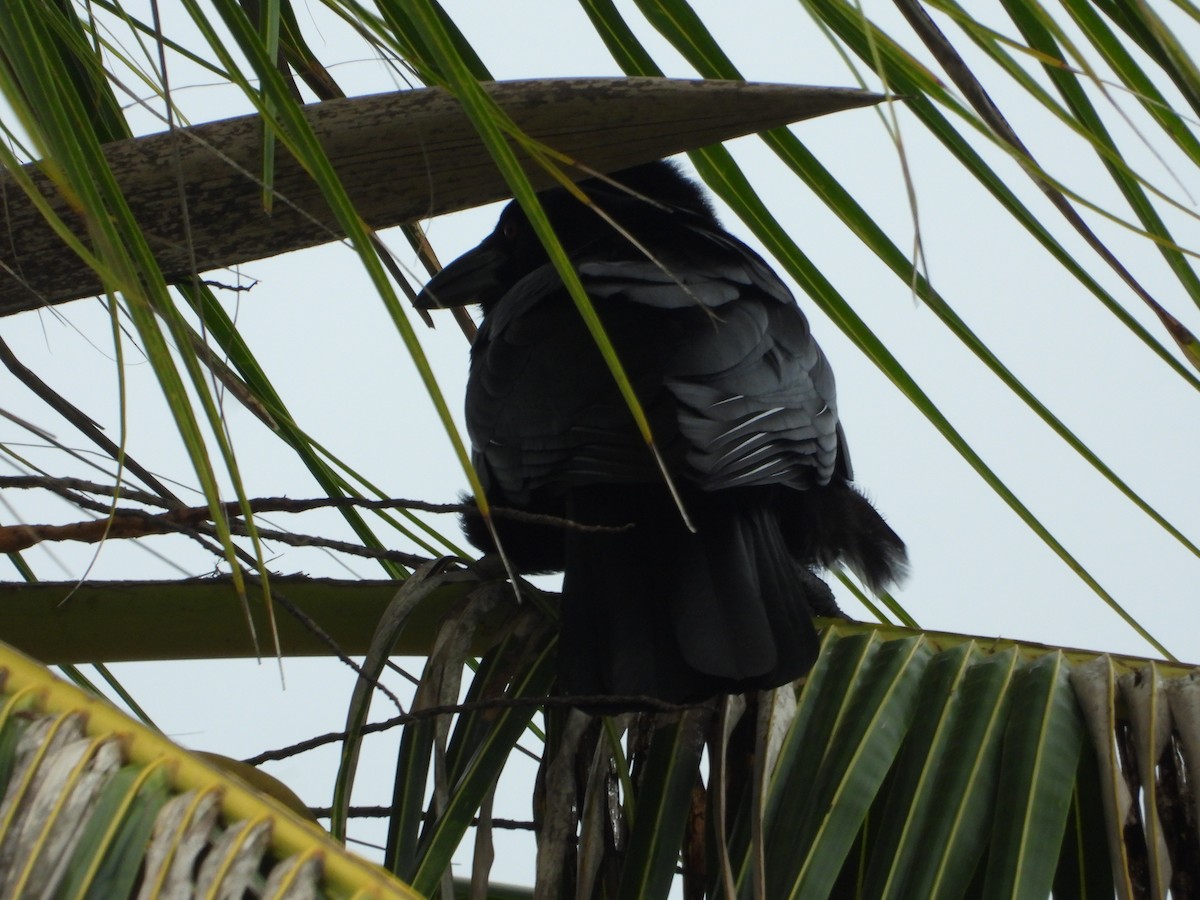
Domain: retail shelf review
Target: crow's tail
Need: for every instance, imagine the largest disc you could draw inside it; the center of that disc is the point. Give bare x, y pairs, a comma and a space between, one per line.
656, 610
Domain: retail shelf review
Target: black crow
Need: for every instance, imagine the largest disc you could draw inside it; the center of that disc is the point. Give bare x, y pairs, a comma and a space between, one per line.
741, 402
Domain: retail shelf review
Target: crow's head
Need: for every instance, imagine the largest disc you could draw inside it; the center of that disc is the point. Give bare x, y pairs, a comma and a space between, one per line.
646, 202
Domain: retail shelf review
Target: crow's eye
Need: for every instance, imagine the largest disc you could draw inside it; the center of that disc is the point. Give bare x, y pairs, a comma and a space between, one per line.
509, 230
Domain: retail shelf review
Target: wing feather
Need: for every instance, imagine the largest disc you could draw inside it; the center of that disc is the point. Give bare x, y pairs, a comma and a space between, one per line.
738, 392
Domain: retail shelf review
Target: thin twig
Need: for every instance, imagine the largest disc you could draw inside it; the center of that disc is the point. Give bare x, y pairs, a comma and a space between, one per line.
383, 812
81, 421
604, 701
135, 523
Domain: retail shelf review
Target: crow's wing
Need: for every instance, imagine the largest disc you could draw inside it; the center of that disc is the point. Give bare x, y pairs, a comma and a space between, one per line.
737, 391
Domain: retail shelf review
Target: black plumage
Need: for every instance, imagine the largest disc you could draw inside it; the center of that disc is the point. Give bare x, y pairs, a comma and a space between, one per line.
742, 404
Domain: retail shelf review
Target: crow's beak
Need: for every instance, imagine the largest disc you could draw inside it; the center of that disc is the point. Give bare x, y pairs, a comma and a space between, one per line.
472, 278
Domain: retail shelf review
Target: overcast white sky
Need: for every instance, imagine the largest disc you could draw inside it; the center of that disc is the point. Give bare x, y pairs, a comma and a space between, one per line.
323, 338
